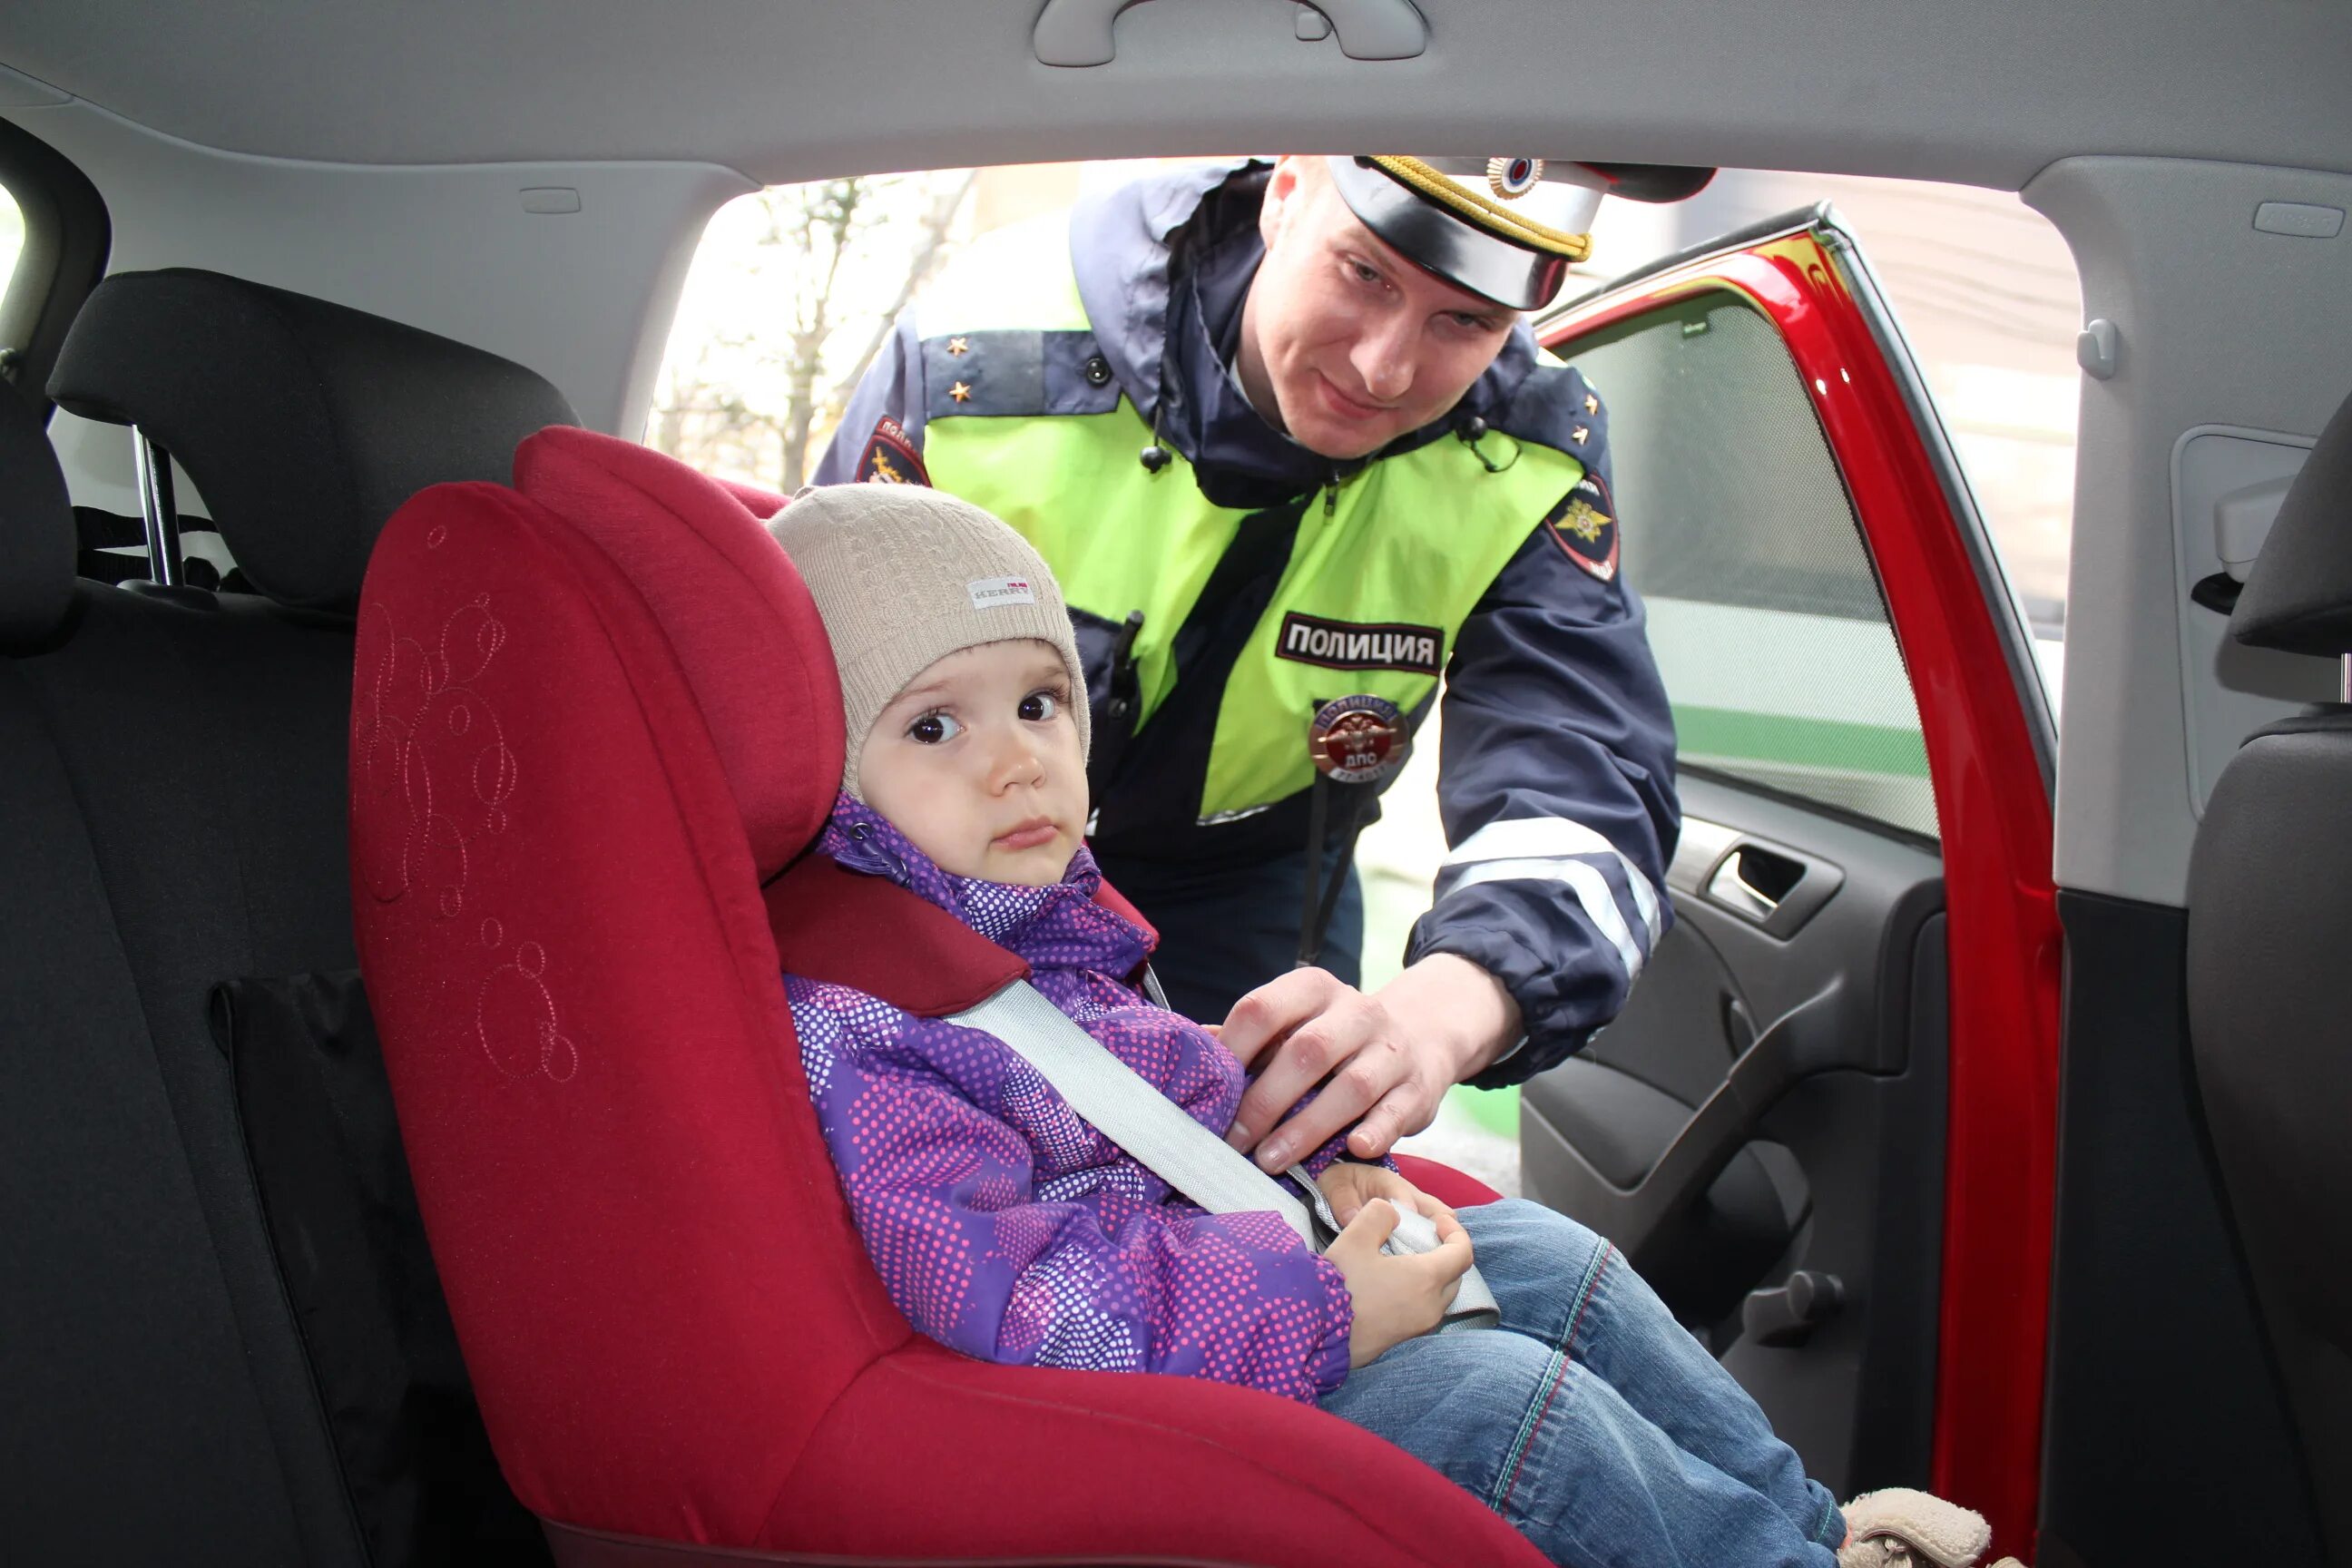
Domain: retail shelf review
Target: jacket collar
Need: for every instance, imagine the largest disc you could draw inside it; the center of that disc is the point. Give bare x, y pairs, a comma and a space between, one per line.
1059, 927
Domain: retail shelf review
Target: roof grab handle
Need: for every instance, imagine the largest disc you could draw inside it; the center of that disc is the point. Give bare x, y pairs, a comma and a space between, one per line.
1078, 32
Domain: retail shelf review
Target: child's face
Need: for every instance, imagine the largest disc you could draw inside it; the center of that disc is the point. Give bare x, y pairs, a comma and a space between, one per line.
977, 761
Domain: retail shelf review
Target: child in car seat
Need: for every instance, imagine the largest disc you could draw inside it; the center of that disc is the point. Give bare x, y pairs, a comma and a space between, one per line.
1007, 1227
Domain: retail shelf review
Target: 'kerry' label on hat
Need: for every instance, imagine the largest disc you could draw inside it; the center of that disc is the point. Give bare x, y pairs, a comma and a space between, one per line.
1346, 645
993, 593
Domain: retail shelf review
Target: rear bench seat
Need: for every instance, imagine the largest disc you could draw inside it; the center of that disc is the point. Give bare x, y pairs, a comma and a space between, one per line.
172, 802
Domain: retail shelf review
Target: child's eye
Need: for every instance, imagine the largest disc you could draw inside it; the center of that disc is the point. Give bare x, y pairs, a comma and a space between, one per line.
932, 729
1039, 706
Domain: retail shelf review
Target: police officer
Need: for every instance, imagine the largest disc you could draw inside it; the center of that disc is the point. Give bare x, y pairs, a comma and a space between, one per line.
1286, 438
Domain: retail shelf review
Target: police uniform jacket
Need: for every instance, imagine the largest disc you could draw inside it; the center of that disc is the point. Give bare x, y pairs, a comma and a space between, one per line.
1556, 764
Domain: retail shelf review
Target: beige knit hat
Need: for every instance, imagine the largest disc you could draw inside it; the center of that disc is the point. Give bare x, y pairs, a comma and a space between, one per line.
905, 575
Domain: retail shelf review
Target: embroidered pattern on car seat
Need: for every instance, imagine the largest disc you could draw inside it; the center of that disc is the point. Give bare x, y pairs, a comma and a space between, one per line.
428, 740
514, 1014
433, 763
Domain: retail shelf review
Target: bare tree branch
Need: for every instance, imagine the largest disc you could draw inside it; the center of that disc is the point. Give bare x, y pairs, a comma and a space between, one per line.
928, 251
711, 410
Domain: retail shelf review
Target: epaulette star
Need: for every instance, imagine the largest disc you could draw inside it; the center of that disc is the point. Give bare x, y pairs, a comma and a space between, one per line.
961, 391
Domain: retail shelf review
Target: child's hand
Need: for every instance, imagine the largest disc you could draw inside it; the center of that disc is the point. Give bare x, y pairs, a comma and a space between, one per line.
1396, 1298
1349, 1185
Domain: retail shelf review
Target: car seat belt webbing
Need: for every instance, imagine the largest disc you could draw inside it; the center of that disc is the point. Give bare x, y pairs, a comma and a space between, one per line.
1126, 1108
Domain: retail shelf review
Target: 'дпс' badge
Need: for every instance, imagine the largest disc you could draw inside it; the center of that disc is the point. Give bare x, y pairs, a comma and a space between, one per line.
1359, 740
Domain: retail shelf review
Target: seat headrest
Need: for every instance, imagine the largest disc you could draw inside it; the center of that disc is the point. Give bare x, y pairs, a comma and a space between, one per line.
304, 425
37, 527
2299, 595
743, 627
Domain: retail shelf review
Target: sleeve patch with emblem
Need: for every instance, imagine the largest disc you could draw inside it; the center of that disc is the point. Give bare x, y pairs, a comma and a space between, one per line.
890, 458
1584, 525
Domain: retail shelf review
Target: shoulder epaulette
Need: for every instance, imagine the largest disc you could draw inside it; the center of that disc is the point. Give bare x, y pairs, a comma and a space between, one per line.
1556, 407
1015, 374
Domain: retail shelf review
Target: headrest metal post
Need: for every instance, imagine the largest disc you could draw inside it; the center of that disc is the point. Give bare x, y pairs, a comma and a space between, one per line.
2344, 679
157, 509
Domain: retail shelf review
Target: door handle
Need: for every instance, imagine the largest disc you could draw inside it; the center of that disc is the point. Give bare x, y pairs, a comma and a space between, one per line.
1771, 887
1078, 32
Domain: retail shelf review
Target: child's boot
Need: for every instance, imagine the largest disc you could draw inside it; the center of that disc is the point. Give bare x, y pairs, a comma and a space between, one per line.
1899, 1528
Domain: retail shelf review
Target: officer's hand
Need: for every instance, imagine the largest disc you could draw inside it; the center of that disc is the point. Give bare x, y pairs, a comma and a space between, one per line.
1388, 1057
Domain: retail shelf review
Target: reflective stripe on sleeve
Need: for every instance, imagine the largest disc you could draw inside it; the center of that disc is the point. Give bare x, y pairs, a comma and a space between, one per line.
1591, 890
1543, 838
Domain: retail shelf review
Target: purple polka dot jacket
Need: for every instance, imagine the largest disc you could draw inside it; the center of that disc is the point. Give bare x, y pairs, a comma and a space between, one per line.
1002, 1224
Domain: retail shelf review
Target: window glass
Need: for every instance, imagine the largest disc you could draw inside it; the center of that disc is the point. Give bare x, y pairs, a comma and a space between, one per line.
12, 238
1765, 614
1988, 299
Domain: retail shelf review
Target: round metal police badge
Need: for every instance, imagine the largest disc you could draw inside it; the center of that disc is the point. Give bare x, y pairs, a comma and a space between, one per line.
1359, 740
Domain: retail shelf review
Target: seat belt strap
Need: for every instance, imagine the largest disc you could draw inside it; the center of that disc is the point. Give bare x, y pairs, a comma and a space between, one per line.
1128, 1109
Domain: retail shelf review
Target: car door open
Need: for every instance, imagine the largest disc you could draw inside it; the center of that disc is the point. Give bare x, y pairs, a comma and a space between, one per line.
1823, 1125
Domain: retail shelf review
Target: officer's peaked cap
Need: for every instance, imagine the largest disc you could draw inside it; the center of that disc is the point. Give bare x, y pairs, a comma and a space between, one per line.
1506, 228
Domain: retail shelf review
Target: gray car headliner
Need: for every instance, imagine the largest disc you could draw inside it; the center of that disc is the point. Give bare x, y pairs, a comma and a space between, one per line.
1986, 93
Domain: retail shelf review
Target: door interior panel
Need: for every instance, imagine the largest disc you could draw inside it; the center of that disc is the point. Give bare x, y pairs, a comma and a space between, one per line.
1794, 1065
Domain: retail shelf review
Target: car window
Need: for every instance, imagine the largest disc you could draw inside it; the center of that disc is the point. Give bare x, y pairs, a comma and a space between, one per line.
1765, 614
12, 238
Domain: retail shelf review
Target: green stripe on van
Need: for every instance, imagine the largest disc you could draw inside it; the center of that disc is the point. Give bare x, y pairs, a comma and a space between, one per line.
1732, 733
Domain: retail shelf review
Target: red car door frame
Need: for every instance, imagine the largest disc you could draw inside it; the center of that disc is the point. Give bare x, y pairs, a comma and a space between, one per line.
1993, 814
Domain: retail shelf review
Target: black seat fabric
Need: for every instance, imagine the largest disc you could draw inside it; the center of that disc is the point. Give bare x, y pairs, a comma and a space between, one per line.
259, 393
37, 562
2270, 924
172, 778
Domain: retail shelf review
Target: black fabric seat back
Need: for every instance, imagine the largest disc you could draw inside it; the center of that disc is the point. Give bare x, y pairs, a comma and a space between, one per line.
2270, 953
171, 789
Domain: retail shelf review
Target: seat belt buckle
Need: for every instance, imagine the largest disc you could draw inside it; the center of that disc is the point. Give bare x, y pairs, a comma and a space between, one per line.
1474, 1304
1414, 1232
1325, 1224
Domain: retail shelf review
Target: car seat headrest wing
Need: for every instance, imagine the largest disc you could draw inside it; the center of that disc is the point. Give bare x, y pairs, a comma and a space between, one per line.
37, 527
304, 425
744, 628
2299, 594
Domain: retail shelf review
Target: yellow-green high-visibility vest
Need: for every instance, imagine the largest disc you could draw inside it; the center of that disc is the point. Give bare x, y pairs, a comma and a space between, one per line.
1024, 420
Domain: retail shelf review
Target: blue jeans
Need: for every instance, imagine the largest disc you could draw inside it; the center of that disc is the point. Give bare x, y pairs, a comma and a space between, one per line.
1590, 1419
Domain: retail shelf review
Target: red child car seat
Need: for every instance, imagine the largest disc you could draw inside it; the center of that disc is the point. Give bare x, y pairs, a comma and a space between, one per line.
592, 719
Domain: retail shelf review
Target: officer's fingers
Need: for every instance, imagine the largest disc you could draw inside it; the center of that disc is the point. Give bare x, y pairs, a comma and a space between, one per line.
1408, 1103
1366, 1069
1300, 1061
1266, 1014
1297, 1066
